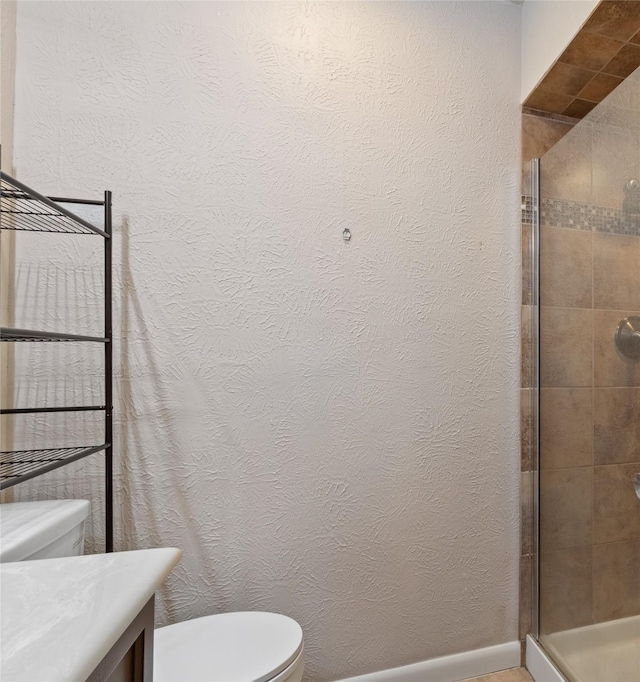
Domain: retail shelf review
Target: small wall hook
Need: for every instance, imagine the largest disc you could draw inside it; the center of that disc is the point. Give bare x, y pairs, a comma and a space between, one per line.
346, 234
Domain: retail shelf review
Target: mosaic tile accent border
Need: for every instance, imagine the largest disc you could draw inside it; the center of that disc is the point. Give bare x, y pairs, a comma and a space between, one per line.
578, 216
527, 209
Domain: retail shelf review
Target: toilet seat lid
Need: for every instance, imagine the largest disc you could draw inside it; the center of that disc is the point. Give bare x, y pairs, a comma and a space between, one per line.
227, 647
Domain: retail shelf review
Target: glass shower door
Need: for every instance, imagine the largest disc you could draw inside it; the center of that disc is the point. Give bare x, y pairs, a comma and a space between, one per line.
589, 394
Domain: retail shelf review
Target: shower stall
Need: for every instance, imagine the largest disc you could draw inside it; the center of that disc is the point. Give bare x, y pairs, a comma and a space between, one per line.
586, 307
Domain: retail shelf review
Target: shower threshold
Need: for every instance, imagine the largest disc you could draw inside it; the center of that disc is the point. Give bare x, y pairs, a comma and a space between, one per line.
605, 652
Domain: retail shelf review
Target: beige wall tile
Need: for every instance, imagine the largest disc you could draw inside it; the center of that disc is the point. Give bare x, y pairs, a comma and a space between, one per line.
539, 134
566, 79
544, 99
525, 348
566, 170
618, 19
616, 509
525, 595
566, 350
620, 112
590, 51
526, 429
616, 425
566, 597
566, 427
566, 508
602, 85
623, 64
616, 271
526, 512
611, 368
616, 580
565, 268
579, 108
615, 155
525, 236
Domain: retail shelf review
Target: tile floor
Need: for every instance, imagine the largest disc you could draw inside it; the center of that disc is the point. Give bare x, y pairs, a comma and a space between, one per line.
513, 675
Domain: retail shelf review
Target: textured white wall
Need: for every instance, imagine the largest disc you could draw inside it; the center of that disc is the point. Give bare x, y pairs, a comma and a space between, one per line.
326, 429
548, 26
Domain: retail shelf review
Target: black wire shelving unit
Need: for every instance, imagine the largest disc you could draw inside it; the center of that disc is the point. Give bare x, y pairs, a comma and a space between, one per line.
22, 208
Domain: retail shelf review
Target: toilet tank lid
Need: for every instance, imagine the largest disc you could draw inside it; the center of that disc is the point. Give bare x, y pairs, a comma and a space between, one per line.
27, 527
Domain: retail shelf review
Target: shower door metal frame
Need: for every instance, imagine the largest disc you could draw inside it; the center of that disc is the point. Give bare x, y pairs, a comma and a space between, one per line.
534, 250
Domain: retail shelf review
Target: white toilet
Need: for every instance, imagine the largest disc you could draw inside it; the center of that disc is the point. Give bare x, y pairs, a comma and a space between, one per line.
228, 647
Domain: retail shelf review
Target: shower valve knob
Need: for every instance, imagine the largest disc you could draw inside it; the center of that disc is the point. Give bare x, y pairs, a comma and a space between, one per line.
628, 337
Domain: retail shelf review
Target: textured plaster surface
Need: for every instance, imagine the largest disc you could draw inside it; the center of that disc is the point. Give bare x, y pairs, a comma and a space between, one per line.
326, 429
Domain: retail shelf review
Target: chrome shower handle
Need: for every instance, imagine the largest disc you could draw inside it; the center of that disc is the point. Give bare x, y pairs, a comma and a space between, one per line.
636, 483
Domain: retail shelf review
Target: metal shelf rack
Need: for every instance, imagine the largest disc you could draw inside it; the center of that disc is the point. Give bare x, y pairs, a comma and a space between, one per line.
22, 208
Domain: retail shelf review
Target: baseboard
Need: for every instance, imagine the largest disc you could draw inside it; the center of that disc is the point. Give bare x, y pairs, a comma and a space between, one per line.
539, 665
452, 668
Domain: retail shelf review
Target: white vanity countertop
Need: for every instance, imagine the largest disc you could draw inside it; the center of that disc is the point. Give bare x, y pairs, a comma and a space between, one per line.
60, 617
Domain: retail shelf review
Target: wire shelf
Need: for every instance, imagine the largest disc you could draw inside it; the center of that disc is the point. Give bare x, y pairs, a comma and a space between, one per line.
22, 208
17, 466
70, 408
7, 334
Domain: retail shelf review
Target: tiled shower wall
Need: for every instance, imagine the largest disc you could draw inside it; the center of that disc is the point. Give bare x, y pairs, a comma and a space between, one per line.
590, 407
590, 426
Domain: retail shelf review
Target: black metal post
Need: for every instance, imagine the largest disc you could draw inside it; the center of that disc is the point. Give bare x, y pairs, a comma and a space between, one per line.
108, 371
